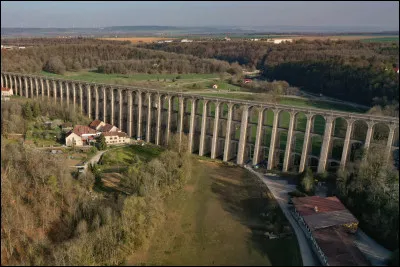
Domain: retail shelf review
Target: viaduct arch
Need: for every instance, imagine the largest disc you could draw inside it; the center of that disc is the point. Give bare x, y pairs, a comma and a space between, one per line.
232, 130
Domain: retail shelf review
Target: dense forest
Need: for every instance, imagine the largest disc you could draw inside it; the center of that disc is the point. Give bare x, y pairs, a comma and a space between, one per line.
108, 59
349, 70
50, 216
38, 41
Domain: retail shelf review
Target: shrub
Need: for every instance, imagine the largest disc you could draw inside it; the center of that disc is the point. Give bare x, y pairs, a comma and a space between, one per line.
296, 193
54, 65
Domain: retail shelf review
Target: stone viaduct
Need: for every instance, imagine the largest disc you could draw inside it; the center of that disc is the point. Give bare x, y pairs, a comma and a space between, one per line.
232, 130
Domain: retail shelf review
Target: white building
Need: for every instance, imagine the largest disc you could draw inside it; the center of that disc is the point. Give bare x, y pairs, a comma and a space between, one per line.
80, 135
6, 93
186, 41
114, 138
278, 41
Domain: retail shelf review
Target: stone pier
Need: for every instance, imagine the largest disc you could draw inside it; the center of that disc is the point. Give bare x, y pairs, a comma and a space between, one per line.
131, 116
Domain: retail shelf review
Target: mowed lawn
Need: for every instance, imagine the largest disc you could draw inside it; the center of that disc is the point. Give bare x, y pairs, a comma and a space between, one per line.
91, 76
215, 220
125, 155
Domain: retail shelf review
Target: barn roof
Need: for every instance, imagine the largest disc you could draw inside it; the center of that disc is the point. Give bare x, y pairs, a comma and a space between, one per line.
319, 212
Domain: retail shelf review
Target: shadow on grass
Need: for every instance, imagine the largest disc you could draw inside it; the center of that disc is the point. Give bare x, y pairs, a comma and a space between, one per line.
250, 202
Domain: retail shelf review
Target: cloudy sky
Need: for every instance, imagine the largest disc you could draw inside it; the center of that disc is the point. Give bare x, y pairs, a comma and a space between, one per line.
373, 14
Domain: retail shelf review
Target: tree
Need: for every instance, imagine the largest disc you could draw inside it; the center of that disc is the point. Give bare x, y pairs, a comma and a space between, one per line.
369, 188
77, 66
35, 109
27, 111
101, 140
55, 65
308, 181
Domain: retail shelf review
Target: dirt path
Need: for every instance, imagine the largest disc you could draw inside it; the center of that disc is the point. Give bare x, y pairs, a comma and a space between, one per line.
208, 222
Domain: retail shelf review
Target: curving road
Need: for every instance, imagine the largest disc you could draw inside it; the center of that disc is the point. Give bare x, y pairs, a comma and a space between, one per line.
95, 158
280, 188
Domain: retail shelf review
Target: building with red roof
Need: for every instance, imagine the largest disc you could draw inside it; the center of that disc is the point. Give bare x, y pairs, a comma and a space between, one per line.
332, 229
6, 93
97, 124
80, 135
109, 128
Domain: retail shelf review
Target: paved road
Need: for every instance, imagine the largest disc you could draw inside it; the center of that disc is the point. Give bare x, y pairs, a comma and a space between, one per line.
95, 158
377, 254
280, 188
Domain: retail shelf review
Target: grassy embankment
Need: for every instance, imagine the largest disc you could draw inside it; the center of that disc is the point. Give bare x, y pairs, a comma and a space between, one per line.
116, 161
214, 220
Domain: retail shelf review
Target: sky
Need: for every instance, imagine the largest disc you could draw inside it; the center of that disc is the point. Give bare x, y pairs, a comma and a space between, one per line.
380, 15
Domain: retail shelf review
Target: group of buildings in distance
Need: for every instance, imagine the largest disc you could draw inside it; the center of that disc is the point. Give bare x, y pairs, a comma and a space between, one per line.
82, 135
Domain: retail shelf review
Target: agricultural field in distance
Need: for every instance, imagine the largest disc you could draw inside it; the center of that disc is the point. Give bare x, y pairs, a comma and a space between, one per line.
196, 83
364, 38
393, 38
136, 40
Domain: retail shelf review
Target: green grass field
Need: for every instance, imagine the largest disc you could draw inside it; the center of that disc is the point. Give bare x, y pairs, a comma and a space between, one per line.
215, 220
129, 79
124, 156
382, 39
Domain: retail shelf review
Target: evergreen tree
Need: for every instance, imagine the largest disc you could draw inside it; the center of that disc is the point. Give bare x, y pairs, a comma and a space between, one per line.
35, 109
27, 111
102, 145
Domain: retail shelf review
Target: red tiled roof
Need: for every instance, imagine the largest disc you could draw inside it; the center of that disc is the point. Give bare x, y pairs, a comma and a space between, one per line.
305, 205
95, 123
107, 127
339, 248
120, 134
5, 89
82, 129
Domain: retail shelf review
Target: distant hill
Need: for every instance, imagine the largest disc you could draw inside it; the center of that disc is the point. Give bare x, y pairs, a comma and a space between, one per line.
154, 30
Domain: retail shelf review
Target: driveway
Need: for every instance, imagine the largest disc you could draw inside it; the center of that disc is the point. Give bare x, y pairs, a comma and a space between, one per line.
280, 188
377, 254
95, 158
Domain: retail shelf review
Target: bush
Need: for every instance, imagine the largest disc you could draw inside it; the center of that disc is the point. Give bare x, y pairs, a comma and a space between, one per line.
77, 66
296, 193
307, 184
54, 65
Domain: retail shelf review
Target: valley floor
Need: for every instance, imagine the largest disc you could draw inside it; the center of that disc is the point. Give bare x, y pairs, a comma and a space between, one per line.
215, 220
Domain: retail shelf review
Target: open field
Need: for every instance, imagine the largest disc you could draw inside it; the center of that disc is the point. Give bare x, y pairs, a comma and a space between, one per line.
185, 84
369, 38
345, 37
92, 76
172, 82
216, 220
136, 40
124, 156
382, 39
